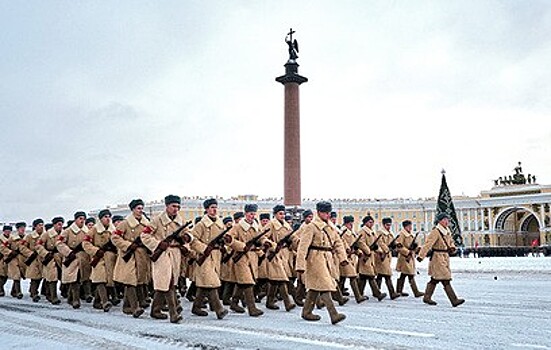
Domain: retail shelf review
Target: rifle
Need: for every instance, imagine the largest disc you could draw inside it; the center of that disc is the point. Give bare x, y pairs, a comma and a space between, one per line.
11, 256
374, 245
211, 246
174, 236
72, 255
31, 259
355, 246
285, 241
392, 244
227, 257
49, 257
248, 245
412, 246
107, 247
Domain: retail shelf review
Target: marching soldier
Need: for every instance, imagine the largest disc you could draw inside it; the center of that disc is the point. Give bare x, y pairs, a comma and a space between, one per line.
4, 237
315, 263
33, 264
383, 257
278, 268
132, 268
159, 238
97, 243
90, 222
407, 248
51, 259
226, 269
76, 263
207, 278
307, 217
244, 239
441, 243
10, 249
261, 285
349, 270
367, 245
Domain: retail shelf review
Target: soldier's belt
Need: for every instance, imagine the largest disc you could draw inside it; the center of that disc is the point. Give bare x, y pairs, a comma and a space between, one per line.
323, 249
440, 250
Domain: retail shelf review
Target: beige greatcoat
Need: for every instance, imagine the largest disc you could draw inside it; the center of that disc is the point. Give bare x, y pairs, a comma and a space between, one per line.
3, 266
68, 240
278, 269
318, 265
246, 269
406, 257
366, 262
263, 267
27, 248
439, 265
166, 270
15, 270
137, 270
45, 245
208, 274
383, 256
96, 238
348, 238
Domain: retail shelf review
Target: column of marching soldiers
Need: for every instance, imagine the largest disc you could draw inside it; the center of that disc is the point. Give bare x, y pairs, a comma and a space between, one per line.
235, 261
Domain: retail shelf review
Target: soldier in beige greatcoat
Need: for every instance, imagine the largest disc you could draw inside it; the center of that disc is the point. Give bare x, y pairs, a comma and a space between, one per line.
11, 250
307, 217
367, 248
315, 263
97, 243
6, 231
441, 243
77, 271
207, 275
406, 248
246, 267
227, 274
261, 286
32, 261
165, 271
51, 259
278, 267
350, 271
135, 273
383, 257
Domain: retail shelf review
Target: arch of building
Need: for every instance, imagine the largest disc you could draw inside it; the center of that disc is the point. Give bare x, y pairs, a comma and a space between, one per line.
525, 231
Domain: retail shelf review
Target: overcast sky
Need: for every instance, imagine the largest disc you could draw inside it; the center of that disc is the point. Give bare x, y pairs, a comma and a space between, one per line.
105, 101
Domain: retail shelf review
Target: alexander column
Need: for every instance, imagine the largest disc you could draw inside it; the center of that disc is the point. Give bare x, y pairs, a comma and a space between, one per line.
291, 81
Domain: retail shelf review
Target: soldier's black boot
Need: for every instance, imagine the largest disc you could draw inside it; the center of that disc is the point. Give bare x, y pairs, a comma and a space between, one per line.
362, 281
344, 292
338, 297
400, 285
74, 295
64, 290
113, 295
356, 290
249, 299
390, 287
427, 298
309, 302
44, 288
375, 290
271, 297
175, 316
215, 304
3, 280
379, 281
52, 291
237, 295
87, 289
192, 290
300, 293
16, 289
156, 306
198, 303
132, 295
451, 294
289, 305
227, 293
35, 284
143, 296
416, 292
333, 314
104, 299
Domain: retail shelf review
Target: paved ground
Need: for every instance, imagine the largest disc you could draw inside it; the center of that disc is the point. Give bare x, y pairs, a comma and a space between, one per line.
512, 311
